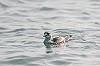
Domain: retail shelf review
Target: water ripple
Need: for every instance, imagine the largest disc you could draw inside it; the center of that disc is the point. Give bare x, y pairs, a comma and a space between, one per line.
18, 15
17, 1
60, 62
17, 30
94, 0
2, 28
47, 9
35, 0
3, 5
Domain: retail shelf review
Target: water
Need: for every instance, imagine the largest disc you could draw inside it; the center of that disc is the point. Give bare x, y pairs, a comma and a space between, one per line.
23, 22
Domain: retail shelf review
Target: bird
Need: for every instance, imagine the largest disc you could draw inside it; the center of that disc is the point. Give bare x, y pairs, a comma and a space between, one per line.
57, 41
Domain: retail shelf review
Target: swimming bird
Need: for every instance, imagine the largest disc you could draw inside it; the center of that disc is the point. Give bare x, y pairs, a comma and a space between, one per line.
57, 41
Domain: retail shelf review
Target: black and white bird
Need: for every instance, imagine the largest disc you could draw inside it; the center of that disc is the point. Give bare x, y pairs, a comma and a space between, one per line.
58, 41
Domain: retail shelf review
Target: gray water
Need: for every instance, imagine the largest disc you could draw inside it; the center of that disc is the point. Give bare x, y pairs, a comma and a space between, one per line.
23, 22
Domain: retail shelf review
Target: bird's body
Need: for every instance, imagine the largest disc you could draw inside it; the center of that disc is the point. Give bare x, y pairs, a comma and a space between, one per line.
57, 41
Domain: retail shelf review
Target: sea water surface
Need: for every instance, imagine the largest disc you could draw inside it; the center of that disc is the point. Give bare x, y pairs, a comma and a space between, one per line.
23, 22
